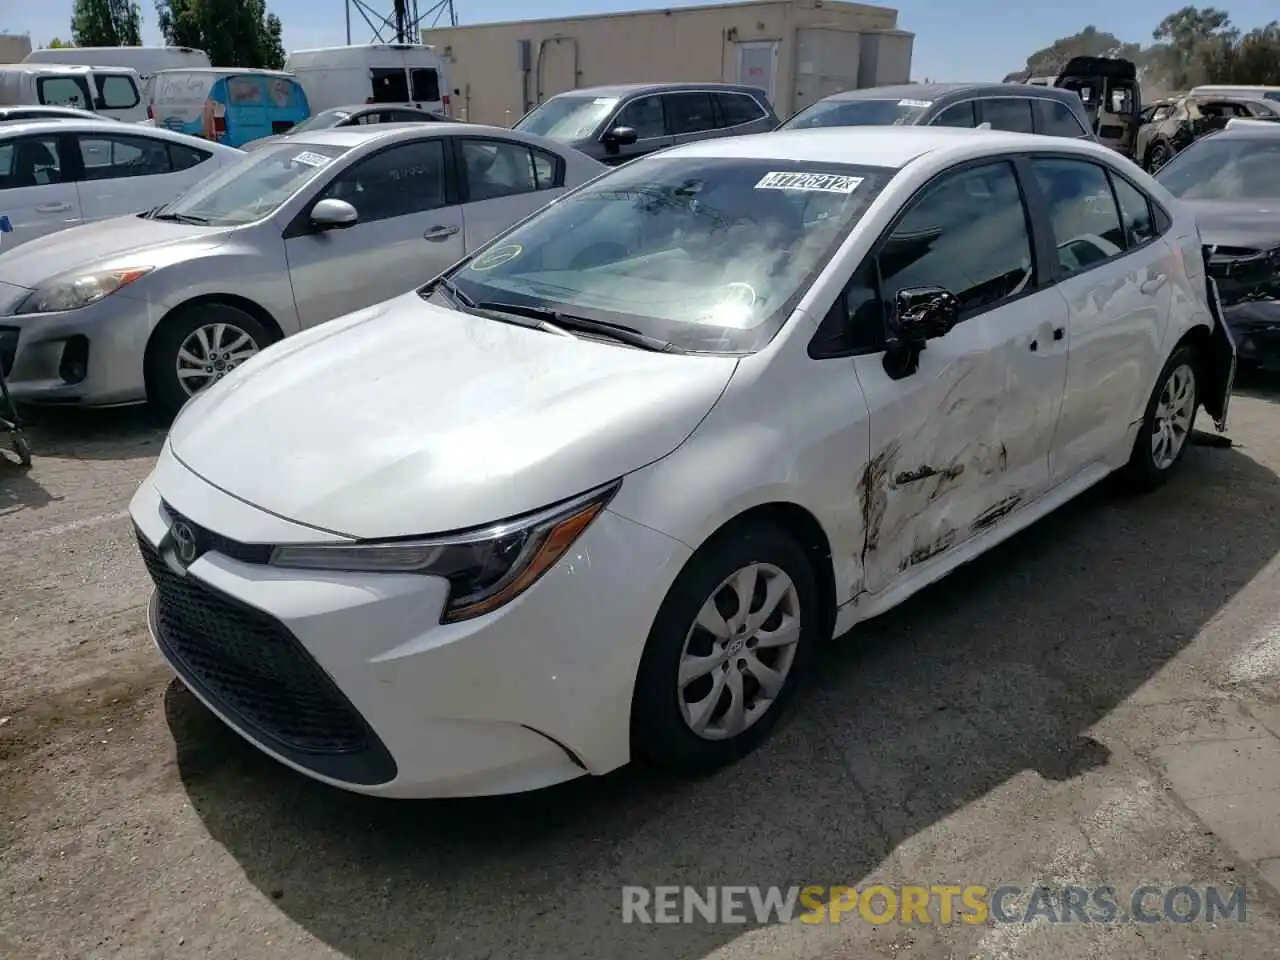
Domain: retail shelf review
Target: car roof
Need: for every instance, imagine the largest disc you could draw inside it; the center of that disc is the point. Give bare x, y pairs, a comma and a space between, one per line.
18, 128
349, 137
1255, 130
363, 107
628, 89
880, 146
937, 91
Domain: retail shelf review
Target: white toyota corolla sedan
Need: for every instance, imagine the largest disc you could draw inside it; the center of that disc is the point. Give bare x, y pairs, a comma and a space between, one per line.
601, 489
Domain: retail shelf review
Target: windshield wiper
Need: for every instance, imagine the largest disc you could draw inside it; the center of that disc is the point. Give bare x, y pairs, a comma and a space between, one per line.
181, 218
565, 322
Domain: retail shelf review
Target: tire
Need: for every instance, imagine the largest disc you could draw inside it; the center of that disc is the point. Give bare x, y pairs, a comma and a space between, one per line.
1148, 469
1158, 154
663, 714
165, 387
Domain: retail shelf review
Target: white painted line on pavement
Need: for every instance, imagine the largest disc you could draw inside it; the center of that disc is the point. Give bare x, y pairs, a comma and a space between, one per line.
71, 525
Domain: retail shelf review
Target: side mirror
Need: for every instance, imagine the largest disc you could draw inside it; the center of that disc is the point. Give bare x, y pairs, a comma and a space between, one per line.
619, 137
923, 313
334, 215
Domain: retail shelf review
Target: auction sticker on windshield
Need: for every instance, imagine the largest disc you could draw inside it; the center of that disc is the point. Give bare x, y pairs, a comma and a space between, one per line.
312, 159
809, 182
915, 103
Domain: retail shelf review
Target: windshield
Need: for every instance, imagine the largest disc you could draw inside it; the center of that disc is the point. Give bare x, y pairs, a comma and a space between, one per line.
321, 121
708, 255
858, 113
1225, 168
254, 187
567, 118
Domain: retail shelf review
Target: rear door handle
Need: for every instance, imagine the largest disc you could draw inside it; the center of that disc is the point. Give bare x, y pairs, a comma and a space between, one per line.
53, 208
1154, 284
440, 232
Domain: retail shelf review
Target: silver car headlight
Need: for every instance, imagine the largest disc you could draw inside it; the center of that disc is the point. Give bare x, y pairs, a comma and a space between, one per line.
485, 568
79, 291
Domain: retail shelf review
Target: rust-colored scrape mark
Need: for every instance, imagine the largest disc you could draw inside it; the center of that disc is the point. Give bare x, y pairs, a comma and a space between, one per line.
872, 492
997, 510
923, 472
921, 554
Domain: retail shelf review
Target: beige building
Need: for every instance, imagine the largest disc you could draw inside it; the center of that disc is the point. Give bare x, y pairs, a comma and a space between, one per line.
796, 50
14, 47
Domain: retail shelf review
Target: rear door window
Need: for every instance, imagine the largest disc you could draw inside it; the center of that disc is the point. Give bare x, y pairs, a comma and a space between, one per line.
1057, 120
111, 157
426, 85
957, 115
1007, 113
688, 113
737, 108
1083, 212
390, 85
116, 91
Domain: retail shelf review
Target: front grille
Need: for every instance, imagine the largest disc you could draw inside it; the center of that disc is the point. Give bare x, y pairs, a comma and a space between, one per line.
8, 349
260, 677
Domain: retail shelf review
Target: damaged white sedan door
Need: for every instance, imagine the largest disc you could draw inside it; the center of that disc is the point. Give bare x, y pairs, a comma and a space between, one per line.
963, 439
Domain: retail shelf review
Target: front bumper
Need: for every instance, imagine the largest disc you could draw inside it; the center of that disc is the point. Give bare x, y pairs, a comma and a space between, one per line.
352, 679
1255, 324
91, 357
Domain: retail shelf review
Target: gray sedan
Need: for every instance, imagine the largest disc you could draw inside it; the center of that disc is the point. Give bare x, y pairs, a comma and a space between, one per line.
158, 305
358, 116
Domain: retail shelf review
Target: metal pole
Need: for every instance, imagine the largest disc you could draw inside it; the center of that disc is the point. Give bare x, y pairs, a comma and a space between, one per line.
346, 7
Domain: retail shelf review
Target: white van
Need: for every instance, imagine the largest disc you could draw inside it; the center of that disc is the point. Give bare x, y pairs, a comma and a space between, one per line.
114, 92
403, 73
146, 60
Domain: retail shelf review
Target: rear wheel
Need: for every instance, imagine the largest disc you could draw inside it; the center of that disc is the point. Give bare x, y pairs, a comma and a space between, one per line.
196, 348
726, 652
1158, 155
1166, 428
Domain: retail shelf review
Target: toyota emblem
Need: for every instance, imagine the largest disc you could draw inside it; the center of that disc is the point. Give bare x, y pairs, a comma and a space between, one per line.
184, 541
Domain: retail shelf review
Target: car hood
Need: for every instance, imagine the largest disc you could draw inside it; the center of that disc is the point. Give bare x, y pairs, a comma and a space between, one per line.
409, 418
1235, 223
118, 242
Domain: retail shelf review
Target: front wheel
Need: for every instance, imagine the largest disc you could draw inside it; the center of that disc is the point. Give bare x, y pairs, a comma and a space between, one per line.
1159, 154
1168, 422
726, 652
196, 348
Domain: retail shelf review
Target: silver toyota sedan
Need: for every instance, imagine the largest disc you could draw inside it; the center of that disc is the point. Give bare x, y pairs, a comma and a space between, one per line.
158, 305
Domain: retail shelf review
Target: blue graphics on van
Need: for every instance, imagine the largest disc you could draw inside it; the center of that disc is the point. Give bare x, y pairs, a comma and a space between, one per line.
232, 110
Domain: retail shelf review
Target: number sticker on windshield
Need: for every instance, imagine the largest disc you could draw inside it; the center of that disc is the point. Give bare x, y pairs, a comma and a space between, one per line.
809, 182
312, 159
915, 103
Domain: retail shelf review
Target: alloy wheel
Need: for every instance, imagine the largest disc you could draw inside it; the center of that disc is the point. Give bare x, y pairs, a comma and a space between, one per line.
210, 352
738, 654
1174, 413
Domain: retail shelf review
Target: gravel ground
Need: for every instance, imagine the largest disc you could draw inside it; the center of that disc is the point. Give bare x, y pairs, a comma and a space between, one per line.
1042, 717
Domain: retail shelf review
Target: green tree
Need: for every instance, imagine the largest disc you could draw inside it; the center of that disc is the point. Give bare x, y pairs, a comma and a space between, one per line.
56, 44
1184, 39
1089, 42
1253, 58
106, 23
235, 33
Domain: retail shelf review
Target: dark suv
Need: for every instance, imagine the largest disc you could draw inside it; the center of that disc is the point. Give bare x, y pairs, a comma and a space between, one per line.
621, 122
1019, 107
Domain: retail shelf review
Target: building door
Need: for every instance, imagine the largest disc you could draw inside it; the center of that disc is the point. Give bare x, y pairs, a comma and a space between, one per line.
758, 65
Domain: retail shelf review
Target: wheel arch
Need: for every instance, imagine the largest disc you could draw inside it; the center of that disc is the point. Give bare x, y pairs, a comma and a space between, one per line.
255, 310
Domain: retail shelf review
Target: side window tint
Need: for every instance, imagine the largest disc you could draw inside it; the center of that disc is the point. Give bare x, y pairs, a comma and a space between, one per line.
182, 157
1008, 113
735, 109
644, 116
30, 162
957, 115
64, 92
544, 169
117, 91
498, 168
1135, 213
967, 233
1057, 120
689, 113
394, 183
1082, 210
114, 158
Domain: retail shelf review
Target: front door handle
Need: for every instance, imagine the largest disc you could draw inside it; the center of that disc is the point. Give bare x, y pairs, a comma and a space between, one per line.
440, 232
1154, 284
1059, 333
53, 208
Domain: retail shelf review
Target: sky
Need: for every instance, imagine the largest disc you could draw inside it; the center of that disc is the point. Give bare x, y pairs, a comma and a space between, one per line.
964, 40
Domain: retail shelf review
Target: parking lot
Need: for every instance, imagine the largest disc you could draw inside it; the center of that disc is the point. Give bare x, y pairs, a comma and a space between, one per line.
1095, 702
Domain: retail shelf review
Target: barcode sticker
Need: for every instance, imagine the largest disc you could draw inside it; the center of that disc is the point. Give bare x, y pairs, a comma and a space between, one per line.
312, 159
809, 182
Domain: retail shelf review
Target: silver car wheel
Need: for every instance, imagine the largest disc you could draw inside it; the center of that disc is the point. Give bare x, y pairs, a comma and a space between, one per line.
739, 652
1174, 413
211, 352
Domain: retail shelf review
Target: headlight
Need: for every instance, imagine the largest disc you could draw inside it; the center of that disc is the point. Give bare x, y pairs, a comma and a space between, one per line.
79, 291
485, 569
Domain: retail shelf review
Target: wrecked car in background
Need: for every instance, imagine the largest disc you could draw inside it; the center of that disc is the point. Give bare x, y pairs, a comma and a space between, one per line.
1178, 124
609, 480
